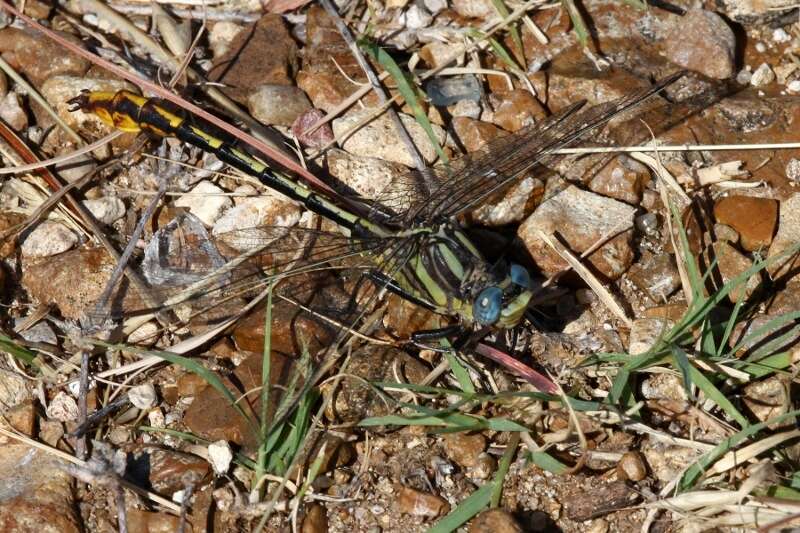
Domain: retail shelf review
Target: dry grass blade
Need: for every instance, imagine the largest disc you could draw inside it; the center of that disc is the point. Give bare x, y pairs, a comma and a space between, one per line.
735, 458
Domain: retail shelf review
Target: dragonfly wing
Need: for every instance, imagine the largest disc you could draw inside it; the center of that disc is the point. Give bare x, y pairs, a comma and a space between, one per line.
498, 164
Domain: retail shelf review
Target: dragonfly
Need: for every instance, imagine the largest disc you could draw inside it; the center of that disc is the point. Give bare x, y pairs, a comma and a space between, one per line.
419, 251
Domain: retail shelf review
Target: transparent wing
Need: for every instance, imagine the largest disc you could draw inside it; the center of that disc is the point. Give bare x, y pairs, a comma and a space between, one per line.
473, 178
184, 266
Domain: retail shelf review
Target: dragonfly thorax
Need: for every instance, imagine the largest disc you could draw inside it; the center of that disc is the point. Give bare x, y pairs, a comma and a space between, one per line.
448, 271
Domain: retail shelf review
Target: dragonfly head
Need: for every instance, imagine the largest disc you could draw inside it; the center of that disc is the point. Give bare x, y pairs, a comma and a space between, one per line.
504, 304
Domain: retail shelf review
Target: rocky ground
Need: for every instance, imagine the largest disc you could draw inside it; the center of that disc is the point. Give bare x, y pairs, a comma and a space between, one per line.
673, 344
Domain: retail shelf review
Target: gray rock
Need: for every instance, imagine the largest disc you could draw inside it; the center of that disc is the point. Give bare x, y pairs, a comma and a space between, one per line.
702, 41
107, 209
278, 104
582, 219
379, 137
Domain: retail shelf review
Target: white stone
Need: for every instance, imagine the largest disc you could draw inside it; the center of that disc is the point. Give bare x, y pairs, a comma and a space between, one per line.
379, 138
205, 201
466, 108
220, 456
48, 238
63, 408
779, 35
582, 219
143, 396
793, 170
107, 209
12, 113
794, 86
370, 177
762, 76
221, 36
417, 17
434, 6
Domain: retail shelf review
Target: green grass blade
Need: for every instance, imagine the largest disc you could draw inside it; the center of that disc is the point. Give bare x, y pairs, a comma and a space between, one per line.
694, 472
502, 10
577, 22
502, 469
406, 89
547, 462
266, 369
13, 349
461, 373
714, 394
682, 362
471, 506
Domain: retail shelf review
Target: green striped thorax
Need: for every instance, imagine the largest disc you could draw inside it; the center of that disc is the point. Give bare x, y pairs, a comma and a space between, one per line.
447, 271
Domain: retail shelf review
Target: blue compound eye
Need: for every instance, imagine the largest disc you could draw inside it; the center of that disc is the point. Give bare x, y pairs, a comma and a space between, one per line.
520, 276
487, 306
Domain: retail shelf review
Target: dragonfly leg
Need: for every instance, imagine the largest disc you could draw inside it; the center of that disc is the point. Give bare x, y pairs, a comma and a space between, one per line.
423, 338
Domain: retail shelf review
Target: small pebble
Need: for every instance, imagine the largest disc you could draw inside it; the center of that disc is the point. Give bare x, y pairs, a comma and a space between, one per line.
40, 332
744, 76
278, 104
631, 466
793, 170
49, 238
63, 408
143, 396
417, 17
794, 86
762, 76
220, 456
417, 503
761, 47
12, 113
107, 209
779, 35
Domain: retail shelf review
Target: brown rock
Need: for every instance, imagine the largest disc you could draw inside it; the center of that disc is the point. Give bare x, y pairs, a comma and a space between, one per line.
167, 471
212, 417
582, 219
190, 384
731, 263
354, 399
601, 499
703, 42
768, 399
657, 276
72, 281
418, 503
325, 53
291, 327
494, 521
38, 57
21, 418
463, 448
37, 492
316, 519
144, 522
516, 109
473, 134
755, 219
631, 466
261, 54
318, 138
623, 179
